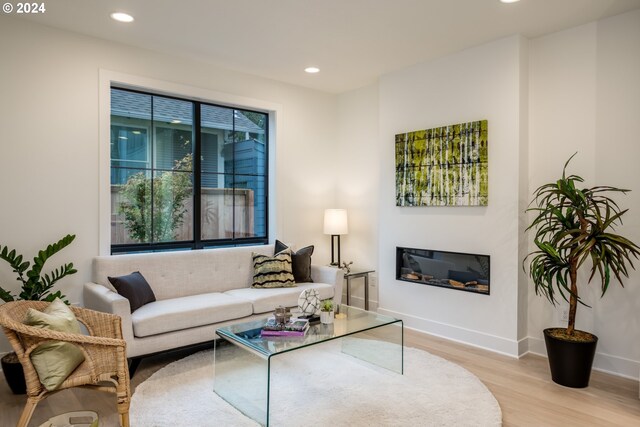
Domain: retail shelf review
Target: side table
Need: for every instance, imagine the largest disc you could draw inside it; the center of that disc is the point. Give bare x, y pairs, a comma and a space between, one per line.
354, 274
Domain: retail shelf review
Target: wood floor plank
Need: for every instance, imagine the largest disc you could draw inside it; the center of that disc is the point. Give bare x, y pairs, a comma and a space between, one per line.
523, 388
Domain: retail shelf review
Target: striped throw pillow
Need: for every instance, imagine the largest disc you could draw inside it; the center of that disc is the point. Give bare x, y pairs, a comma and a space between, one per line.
273, 272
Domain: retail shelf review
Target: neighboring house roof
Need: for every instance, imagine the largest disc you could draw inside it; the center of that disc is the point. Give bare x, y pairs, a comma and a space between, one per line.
138, 106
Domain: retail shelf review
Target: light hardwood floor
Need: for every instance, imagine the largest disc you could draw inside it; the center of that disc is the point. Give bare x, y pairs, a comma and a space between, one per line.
523, 388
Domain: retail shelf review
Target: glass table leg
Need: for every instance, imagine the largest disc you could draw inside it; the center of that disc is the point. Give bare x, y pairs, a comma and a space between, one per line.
241, 377
382, 346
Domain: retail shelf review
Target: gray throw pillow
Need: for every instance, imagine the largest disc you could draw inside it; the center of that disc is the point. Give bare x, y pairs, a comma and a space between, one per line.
300, 260
135, 288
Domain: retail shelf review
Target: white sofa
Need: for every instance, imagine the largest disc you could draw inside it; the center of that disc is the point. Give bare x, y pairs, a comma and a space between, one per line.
196, 292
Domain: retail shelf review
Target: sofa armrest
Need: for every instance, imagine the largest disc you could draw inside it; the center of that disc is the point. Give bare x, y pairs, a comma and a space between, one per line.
101, 298
329, 275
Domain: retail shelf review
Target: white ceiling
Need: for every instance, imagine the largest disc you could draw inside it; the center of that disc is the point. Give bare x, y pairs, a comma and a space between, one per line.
351, 41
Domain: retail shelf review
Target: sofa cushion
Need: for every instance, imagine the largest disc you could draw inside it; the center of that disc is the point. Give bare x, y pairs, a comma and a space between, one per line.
188, 312
265, 300
135, 288
273, 272
300, 261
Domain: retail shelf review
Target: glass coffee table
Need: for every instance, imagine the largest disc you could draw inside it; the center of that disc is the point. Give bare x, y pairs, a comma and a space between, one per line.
243, 371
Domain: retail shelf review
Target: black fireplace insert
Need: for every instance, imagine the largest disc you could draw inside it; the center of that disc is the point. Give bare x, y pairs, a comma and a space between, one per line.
454, 270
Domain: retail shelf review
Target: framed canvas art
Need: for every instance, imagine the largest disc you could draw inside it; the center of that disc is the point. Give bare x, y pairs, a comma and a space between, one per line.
444, 166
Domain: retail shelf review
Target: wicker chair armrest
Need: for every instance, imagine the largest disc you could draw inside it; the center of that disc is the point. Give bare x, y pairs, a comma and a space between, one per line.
93, 315
34, 334
99, 324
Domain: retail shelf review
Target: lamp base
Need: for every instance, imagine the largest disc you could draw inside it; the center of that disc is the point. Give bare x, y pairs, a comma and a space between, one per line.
333, 260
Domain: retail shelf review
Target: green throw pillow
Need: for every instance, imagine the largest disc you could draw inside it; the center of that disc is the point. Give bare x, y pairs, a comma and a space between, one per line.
273, 272
56, 360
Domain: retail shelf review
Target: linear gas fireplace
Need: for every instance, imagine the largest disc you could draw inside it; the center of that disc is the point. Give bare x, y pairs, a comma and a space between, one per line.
455, 270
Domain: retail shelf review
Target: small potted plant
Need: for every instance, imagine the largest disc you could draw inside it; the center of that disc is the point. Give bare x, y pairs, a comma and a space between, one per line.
36, 286
326, 312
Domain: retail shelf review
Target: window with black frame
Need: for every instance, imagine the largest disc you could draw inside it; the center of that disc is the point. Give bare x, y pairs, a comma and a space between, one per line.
185, 174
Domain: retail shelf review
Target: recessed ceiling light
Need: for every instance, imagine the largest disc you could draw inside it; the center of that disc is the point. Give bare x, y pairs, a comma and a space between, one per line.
312, 70
122, 17
176, 121
509, 1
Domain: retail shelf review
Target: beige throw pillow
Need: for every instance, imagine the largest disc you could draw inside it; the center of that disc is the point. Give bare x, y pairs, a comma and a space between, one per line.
273, 272
55, 361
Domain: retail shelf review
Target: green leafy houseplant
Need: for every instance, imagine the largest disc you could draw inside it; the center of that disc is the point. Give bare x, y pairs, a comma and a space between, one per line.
37, 286
574, 227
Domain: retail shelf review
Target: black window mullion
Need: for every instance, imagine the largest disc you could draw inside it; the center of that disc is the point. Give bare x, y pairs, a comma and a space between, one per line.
266, 178
152, 165
233, 174
197, 176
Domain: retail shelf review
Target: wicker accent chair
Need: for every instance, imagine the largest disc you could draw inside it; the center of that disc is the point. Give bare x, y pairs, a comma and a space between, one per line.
105, 365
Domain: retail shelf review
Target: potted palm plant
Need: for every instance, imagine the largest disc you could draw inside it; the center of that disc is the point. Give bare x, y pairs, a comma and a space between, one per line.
574, 227
36, 286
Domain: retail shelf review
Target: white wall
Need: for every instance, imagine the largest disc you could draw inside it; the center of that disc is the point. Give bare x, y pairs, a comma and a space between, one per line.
49, 141
617, 152
562, 121
585, 97
523, 197
358, 178
476, 84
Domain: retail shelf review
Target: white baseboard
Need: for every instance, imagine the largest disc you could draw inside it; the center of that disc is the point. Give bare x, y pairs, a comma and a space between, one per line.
455, 333
523, 346
603, 362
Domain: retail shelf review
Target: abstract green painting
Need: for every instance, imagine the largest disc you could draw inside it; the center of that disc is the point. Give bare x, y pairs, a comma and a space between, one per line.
445, 166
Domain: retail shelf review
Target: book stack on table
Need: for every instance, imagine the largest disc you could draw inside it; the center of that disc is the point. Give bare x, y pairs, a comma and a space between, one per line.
293, 328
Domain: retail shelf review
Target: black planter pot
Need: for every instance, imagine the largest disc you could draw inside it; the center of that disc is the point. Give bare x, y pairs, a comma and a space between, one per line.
570, 361
14, 374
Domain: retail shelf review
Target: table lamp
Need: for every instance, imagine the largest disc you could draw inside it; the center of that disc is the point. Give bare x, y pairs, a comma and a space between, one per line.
335, 224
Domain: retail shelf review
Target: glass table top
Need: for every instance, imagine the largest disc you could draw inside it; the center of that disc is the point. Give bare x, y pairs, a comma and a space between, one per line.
357, 320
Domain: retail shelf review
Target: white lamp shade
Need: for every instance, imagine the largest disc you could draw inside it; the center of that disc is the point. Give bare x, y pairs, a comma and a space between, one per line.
335, 221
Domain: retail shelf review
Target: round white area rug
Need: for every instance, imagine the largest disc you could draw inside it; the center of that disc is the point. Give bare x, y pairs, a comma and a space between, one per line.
321, 386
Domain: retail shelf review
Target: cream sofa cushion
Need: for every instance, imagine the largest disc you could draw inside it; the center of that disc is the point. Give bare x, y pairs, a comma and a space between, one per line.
187, 312
267, 299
